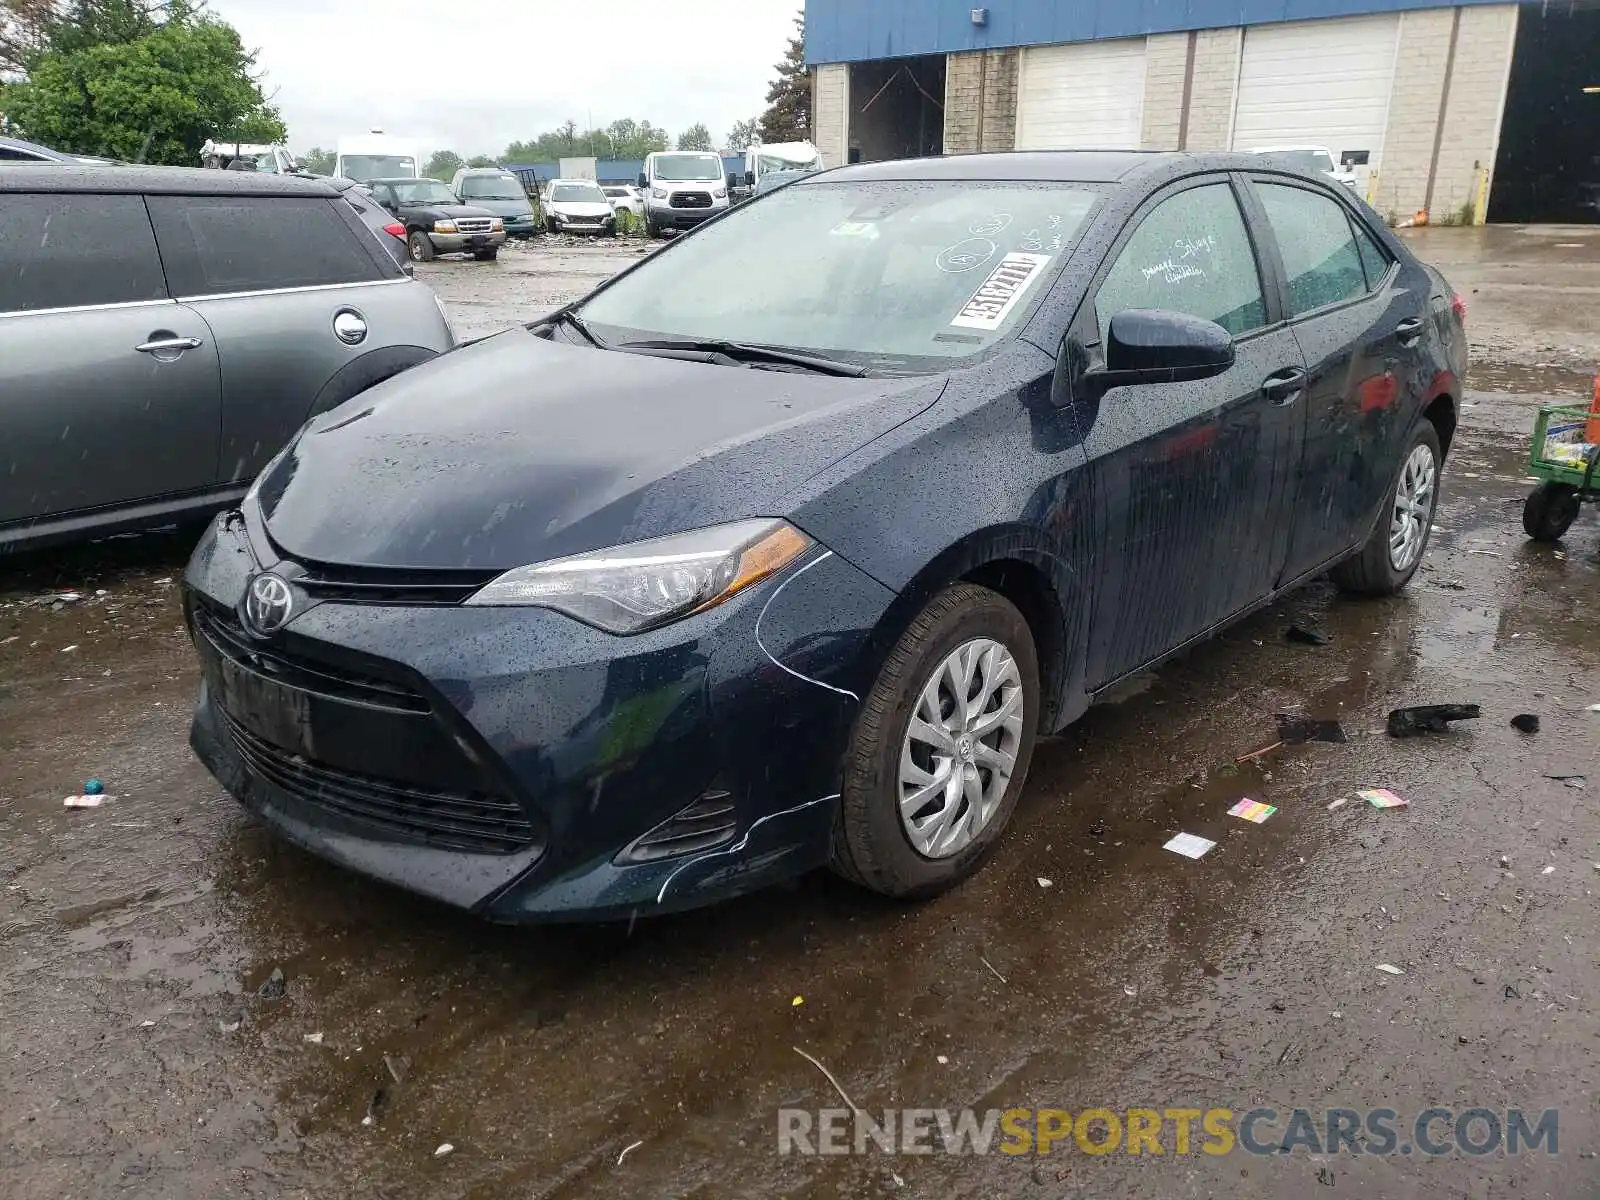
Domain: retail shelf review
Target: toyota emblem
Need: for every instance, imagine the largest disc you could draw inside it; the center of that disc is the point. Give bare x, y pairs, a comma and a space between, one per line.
269, 603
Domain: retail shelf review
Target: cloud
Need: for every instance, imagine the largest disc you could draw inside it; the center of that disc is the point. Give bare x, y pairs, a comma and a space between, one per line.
474, 77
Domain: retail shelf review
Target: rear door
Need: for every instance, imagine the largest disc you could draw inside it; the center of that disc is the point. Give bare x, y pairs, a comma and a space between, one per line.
1193, 483
108, 388
271, 275
1359, 319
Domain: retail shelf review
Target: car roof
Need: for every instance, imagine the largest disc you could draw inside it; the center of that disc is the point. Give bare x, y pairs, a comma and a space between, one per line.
155, 181
1064, 166
483, 171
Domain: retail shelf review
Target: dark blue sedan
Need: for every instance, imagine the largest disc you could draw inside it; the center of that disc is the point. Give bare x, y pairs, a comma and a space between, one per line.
782, 548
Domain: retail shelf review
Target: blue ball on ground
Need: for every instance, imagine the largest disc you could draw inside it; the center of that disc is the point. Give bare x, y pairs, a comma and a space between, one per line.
93, 788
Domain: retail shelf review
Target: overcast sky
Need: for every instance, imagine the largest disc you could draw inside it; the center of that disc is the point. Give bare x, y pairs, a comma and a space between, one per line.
475, 76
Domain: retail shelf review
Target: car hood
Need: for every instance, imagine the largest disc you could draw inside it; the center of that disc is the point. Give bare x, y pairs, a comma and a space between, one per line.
450, 211
516, 450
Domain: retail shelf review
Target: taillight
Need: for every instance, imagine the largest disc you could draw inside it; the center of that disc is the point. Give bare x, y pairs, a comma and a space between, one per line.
395, 229
1459, 307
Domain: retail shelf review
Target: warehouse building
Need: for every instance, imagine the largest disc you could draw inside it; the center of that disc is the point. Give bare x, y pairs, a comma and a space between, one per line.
1469, 111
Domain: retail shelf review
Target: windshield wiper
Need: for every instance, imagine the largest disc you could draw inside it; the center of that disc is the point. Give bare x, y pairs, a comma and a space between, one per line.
748, 353
567, 316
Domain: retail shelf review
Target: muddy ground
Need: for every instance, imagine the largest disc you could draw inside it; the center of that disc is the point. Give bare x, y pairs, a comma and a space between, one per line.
137, 1060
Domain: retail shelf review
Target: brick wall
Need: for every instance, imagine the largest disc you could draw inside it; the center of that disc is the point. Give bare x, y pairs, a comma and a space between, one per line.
988, 77
830, 100
1472, 114
1211, 93
1165, 57
1419, 70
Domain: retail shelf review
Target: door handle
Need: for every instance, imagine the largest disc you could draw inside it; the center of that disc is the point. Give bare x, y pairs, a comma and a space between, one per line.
1409, 331
1284, 387
173, 345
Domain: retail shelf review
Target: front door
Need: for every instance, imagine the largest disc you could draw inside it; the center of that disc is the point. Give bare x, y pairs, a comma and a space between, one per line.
109, 391
1194, 483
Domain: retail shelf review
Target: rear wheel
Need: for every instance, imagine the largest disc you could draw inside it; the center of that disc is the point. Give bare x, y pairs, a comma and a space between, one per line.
941, 748
421, 246
1400, 539
1550, 511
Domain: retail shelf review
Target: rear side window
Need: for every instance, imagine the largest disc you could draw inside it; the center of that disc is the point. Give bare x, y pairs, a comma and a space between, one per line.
1319, 251
61, 251
1373, 257
1191, 254
220, 244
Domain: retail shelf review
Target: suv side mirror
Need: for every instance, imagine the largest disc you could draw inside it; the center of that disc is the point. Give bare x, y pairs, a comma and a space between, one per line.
1147, 345
733, 180
749, 179
641, 181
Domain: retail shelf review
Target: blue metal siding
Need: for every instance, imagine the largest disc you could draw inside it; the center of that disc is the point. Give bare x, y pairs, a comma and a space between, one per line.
860, 30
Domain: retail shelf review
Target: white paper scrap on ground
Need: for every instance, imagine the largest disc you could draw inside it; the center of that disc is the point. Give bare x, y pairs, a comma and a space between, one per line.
1190, 846
1390, 969
94, 801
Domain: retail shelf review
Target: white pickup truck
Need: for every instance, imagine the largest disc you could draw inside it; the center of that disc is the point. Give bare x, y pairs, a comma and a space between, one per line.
248, 156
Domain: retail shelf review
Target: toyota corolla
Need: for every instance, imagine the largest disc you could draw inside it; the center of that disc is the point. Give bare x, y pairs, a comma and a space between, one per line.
719, 576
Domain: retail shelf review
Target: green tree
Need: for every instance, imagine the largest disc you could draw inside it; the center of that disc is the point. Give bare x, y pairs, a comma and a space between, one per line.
482, 160
318, 161
443, 165
744, 134
696, 137
155, 98
788, 115
626, 138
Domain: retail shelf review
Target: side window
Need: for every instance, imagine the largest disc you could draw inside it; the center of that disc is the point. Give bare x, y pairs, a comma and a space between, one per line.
219, 244
1190, 254
65, 251
1319, 251
8, 154
1374, 258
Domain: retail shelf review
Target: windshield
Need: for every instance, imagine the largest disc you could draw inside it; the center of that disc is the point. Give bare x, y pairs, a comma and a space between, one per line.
376, 166
492, 187
578, 193
690, 167
774, 162
895, 276
616, 193
423, 191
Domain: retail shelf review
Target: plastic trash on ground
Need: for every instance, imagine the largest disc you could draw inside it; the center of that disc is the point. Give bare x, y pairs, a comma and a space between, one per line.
1190, 846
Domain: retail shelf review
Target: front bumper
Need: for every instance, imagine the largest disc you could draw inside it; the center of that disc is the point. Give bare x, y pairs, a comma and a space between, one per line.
502, 760
663, 217
586, 224
465, 243
524, 227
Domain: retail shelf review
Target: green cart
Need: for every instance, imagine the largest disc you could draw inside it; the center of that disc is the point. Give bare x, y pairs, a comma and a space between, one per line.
1566, 465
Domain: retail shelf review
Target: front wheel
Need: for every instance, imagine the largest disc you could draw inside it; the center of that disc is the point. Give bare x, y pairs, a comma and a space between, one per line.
1400, 539
941, 748
486, 255
421, 246
1549, 511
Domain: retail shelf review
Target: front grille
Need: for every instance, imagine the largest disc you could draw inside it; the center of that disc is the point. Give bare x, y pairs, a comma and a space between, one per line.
383, 585
476, 823
708, 822
474, 224
691, 200
222, 629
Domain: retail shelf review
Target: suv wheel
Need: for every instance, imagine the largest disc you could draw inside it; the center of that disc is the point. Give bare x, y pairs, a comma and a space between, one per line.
421, 246
941, 748
1400, 539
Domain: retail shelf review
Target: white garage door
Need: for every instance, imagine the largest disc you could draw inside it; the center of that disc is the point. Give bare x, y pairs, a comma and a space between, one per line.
1317, 83
1088, 96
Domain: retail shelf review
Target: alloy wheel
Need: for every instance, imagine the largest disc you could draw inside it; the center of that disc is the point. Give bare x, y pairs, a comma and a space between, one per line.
960, 748
1413, 508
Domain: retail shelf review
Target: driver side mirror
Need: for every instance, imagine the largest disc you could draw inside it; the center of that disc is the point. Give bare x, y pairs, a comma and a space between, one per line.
641, 181
749, 179
1147, 345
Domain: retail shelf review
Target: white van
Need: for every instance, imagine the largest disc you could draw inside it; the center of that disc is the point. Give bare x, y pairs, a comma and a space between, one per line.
681, 189
376, 155
772, 166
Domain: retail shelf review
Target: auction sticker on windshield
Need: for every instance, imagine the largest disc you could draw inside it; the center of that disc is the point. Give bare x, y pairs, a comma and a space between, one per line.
992, 303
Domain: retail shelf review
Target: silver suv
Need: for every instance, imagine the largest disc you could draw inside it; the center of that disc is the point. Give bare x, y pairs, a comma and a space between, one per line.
163, 332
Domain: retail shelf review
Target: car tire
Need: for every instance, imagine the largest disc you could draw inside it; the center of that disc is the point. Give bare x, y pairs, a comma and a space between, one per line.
650, 229
872, 843
1550, 510
486, 255
1381, 568
550, 225
420, 246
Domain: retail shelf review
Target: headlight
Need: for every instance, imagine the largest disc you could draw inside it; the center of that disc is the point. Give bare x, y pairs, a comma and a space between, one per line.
444, 226
658, 193
629, 589
720, 193
496, 225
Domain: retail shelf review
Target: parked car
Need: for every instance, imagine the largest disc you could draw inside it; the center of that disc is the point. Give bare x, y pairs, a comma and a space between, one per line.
502, 193
245, 156
437, 222
15, 150
681, 189
577, 206
1314, 160
390, 232
163, 332
625, 198
690, 588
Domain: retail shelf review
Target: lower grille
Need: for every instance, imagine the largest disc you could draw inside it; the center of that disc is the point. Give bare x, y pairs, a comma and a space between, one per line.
707, 823
691, 200
475, 823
